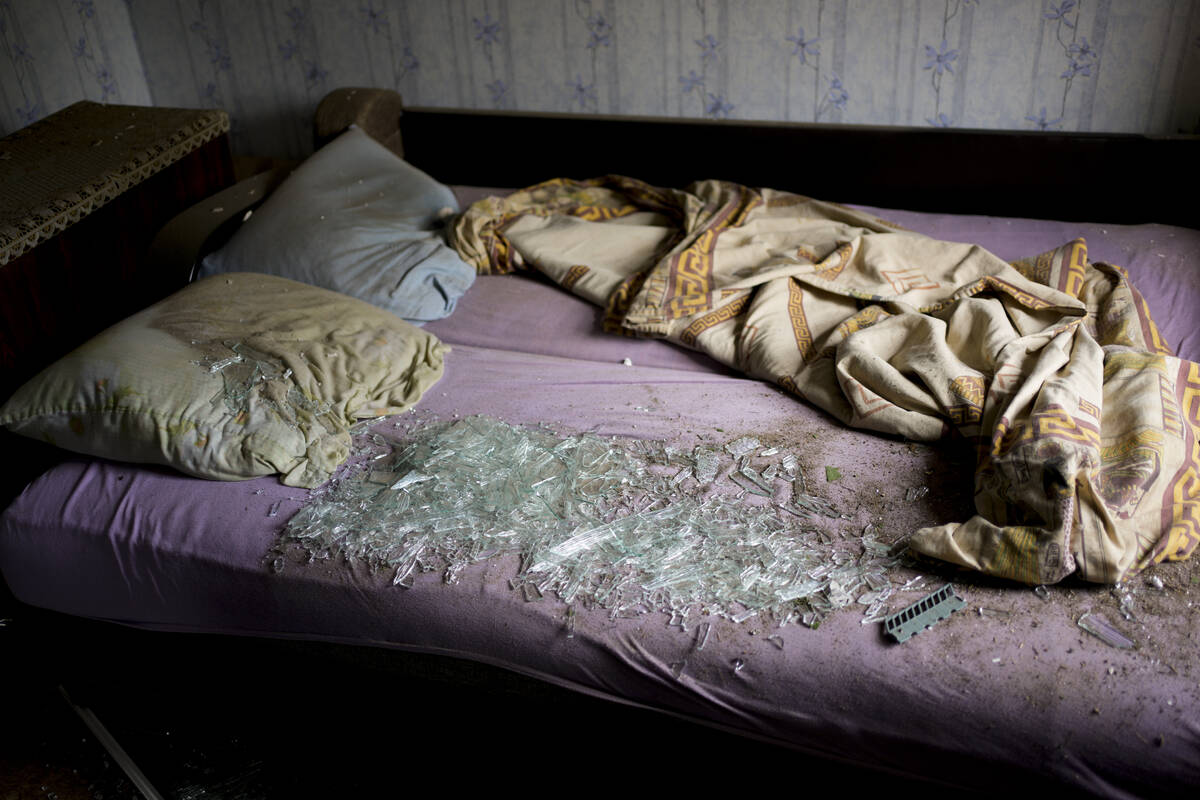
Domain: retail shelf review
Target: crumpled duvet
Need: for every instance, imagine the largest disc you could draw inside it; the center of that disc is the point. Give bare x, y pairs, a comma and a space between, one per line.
1084, 423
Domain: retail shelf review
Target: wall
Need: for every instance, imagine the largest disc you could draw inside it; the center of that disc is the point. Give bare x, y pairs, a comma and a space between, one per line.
56, 52
1072, 65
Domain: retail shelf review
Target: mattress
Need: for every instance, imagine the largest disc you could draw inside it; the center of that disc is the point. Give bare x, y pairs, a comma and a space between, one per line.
1010, 692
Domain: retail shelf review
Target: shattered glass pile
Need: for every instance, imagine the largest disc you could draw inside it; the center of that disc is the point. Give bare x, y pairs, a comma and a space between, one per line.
624, 524
249, 376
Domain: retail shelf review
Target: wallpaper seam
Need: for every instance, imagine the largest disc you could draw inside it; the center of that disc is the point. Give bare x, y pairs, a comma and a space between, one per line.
1099, 36
1176, 86
1164, 43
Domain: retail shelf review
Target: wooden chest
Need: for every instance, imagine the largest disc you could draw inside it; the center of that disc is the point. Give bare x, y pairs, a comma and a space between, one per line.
82, 194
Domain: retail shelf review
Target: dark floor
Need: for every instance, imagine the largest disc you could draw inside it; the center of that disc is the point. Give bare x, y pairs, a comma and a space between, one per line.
209, 717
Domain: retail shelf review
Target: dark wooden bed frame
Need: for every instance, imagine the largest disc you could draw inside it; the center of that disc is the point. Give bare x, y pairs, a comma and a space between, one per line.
1067, 176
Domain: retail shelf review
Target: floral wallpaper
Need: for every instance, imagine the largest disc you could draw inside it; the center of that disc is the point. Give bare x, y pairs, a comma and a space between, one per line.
1049, 65
56, 52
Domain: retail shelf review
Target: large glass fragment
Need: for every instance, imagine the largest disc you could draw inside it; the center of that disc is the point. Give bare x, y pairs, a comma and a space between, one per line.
623, 524
1104, 630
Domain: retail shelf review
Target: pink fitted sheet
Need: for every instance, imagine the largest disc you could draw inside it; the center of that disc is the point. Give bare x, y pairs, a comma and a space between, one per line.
1011, 700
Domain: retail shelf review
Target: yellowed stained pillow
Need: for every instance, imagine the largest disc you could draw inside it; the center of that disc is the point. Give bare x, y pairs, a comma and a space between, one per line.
236, 376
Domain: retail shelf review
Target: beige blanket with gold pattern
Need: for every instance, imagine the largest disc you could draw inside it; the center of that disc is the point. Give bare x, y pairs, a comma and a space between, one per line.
1085, 425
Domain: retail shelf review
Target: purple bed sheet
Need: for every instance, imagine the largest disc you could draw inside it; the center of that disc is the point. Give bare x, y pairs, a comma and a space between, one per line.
1014, 697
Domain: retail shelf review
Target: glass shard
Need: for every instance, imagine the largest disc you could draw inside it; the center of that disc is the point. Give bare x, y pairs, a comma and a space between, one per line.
706, 464
742, 446
1102, 629
916, 493
569, 622
790, 465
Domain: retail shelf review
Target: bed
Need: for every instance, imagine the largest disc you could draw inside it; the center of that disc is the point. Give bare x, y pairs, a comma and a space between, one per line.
1009, 692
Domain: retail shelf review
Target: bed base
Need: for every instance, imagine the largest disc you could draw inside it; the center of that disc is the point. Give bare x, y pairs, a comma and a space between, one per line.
1064, 176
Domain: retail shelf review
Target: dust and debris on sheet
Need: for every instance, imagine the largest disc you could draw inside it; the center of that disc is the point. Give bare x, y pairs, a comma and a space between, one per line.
628, 525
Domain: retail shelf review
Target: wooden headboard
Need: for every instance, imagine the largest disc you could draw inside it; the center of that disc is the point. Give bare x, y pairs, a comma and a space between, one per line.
1066, 176
1095, 177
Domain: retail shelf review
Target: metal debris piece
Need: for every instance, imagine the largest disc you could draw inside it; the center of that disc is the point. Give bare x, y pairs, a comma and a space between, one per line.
924, 613
1042, 592
1103, 630
916, 493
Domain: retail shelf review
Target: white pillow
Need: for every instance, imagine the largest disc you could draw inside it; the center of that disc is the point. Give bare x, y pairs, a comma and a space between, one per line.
356, 219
